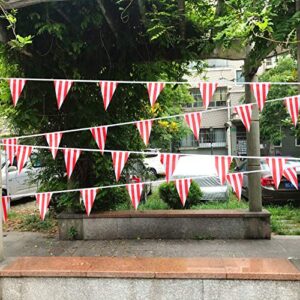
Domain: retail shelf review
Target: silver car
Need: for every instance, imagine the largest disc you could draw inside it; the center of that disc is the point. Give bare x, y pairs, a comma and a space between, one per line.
204, 171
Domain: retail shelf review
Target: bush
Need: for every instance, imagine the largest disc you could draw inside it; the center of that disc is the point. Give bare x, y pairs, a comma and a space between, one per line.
168, 193
153, 203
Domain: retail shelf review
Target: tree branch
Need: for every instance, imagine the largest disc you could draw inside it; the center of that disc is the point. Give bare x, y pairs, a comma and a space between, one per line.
10, 4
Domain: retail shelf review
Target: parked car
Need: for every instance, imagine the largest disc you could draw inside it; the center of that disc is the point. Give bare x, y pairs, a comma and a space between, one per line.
138, 172
207, 178
15, 183
152, 162
286, 191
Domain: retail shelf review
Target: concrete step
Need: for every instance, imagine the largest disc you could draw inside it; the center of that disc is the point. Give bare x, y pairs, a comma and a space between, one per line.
149, 278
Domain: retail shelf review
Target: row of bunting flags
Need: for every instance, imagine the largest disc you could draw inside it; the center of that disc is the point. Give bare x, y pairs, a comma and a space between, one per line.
207, 89
144, 127
222, 164
119, 159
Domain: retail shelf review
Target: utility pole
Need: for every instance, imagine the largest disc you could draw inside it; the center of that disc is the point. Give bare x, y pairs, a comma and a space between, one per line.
1, 210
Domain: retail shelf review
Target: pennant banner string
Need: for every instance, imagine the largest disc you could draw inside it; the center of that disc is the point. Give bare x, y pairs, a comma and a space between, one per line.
121, 185
150, 152
145, 82
134, 122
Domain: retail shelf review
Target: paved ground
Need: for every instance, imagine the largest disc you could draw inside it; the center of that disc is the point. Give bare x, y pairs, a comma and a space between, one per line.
36, 244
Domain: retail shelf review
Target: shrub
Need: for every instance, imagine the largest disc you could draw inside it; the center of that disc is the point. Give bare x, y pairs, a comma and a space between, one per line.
168, 193
154, 203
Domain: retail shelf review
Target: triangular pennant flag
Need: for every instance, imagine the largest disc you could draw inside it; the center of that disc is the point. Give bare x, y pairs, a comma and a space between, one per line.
291, 175
194, 122
23, 153
5, 207
99, 134
207, 90
62, 88
10, 147
169, 161
119, 159
144, 128
107, 89
236, 181
183, 187
292, 105
222, 164
260, 91
71, 157
276, 165
88, 196
43, 200
135, 191
53, 140
245, 113
16, 86
154, 89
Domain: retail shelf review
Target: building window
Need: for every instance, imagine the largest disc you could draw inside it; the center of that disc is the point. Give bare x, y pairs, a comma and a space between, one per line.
189, 141
217, 63
213, 135
219, 98
239, 77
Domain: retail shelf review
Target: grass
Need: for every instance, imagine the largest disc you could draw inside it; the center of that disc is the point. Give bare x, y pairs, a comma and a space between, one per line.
285, 220
29, 220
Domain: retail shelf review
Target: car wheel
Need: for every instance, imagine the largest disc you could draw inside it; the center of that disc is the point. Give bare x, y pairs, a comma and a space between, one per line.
153, 172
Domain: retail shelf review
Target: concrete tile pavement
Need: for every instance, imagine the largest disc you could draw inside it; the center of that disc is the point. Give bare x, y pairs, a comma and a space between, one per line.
36, 244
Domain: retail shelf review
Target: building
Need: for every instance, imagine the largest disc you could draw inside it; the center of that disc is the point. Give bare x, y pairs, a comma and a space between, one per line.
222, 131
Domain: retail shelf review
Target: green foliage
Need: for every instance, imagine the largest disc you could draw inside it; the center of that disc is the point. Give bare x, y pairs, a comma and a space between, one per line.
168, 193
275, 117
72, 233
153, 203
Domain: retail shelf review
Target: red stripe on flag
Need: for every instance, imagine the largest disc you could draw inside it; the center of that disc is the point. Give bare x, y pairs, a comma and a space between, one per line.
194, 122
292, 105
207, 90
169, 161
71, 156
144, 128
183, 187
154, 89
119, 159
276, 165
43, 200
107, 90
53, 140
16, 87
245, 113
62, 88
260, 91
135, 191
99, 134
88, 196
222, 164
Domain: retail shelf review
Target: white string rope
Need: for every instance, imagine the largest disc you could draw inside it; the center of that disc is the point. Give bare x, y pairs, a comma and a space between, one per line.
134, 122
121, 185
148, 152
145, 82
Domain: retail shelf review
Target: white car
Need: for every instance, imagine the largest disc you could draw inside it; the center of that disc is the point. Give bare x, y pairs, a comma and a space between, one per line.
18, 184
202, 167
152, 162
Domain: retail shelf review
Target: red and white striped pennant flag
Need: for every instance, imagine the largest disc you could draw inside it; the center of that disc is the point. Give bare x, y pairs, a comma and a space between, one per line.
207, 90
154, 89
107, 89
5, 207
53, 140
144, 128
88, 196
245, 113
119, 159
43, 200
222, 164
10, 147
135, 192
291, 175
23, 153
62, 88
260, 91
292, 105
276, 165
169, 161
71, 157
183, 187
194, 122
99, 134
236, 181
16, 86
